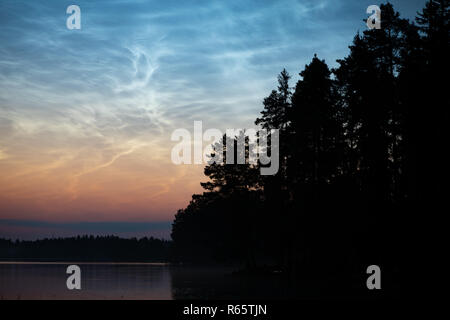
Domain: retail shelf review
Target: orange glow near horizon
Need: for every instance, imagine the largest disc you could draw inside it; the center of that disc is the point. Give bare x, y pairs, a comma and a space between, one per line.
132, 183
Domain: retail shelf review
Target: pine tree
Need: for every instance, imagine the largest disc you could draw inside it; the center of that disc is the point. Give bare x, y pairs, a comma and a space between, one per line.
277, 105
315, 125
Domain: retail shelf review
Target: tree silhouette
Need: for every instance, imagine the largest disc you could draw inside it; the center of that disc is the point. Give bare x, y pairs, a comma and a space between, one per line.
359, 151
221, 223
87, 248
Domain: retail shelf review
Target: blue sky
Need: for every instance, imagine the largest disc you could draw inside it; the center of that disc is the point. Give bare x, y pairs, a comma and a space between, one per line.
76, 104
174, 61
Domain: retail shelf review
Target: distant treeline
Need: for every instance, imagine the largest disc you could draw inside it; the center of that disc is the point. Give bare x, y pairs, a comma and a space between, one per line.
87, 249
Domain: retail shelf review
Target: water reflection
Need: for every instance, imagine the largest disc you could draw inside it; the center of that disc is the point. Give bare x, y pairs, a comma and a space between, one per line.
221, 283
98, 281
133, 281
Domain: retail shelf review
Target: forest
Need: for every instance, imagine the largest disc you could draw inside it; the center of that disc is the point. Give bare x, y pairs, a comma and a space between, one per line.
86, 249
360, 153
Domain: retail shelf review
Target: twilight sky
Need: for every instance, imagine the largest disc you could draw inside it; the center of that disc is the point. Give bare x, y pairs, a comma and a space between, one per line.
86, 115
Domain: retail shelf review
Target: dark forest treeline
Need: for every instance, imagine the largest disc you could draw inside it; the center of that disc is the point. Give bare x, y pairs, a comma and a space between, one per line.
87, 248
359, 153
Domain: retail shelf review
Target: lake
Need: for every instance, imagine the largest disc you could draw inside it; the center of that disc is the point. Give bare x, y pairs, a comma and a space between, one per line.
29, 280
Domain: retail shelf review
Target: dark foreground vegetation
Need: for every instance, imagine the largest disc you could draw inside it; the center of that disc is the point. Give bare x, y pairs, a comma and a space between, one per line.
86, 249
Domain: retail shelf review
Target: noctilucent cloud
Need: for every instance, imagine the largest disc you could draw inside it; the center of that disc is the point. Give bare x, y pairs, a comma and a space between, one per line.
86, 115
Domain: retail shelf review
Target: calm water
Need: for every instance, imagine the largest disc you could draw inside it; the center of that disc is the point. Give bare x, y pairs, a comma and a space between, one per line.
131, 281
98, 281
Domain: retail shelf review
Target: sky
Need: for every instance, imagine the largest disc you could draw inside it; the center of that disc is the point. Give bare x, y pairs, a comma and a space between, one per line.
86, 116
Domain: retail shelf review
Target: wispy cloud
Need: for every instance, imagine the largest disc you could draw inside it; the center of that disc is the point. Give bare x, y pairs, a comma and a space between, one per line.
86, 115
3, 155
